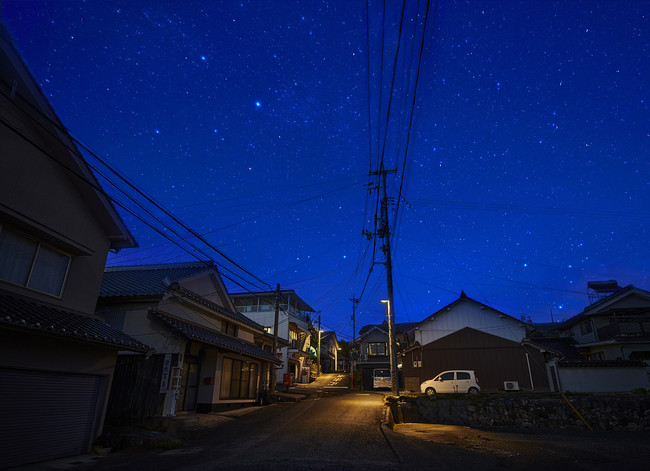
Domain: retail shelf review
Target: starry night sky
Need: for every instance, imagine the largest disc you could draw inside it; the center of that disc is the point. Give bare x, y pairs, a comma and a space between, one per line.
519, 132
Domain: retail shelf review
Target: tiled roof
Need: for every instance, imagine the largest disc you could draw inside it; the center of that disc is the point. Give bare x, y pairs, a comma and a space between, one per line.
203, 334
25, 314
146, 280
206, 302
400, 327
586, 311
564, 347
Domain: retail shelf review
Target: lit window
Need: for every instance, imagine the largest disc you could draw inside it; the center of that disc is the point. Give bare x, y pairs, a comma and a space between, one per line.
377, 349
27, 262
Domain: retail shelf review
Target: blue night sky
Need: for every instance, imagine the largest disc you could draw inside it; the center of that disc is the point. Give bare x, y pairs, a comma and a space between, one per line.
519, 132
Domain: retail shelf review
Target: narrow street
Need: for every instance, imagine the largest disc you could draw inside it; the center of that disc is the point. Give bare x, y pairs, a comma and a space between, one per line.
332, 428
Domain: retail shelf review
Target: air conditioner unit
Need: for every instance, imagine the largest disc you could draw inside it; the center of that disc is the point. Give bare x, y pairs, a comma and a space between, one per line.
417, 363
511, 385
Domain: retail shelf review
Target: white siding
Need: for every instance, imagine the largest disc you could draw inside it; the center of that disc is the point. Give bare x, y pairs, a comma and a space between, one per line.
470, 314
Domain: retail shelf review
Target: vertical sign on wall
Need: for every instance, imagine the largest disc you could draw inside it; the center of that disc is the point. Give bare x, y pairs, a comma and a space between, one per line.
165, 373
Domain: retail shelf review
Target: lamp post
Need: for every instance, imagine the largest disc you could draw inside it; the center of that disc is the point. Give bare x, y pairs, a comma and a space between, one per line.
393, 363
318, 353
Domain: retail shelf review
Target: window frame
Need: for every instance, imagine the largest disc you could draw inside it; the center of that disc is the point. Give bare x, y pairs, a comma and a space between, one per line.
240, 374
369, 349
33, 264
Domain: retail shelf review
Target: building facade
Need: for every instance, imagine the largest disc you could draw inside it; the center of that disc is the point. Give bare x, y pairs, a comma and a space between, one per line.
207, 356
57, 358
294, 328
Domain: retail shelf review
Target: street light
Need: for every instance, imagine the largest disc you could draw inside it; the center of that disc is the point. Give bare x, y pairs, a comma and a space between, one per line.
318, 354
393, 372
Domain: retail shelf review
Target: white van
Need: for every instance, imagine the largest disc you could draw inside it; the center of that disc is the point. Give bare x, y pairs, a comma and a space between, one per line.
456, 381
381, 379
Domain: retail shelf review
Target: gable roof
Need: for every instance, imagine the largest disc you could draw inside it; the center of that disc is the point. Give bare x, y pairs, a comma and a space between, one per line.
18, 82
400, 327
464, 298
212, 337
159, 280
215, 307
25, 314
600, 305
147, 280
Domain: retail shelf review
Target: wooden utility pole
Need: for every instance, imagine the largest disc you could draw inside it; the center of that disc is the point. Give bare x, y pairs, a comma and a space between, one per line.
273, 378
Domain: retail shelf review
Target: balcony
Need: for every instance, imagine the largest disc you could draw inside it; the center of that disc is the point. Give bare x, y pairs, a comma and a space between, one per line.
625, 330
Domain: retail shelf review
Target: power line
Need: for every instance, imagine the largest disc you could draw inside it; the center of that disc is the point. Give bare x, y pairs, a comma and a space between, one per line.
129, 183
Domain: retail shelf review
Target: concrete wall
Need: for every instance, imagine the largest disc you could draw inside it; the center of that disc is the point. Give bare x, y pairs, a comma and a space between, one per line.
576, 379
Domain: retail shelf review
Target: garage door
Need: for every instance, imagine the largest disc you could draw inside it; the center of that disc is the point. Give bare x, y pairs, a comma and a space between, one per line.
46, 415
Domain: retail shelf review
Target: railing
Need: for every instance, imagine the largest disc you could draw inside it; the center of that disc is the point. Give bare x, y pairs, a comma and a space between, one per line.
637, 330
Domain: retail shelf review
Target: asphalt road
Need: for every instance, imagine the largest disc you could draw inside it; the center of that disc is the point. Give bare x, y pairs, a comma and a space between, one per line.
332, 429
336, 429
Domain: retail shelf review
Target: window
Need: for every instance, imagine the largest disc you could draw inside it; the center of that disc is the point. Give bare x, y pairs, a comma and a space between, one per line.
462, 375
238, 379
596, 356
293, 332
229, 329
268, 330
586, 328
449, 376
29, 263
376, 349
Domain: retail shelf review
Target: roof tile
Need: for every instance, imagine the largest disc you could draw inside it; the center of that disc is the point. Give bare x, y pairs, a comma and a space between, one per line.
26, 314
213, 337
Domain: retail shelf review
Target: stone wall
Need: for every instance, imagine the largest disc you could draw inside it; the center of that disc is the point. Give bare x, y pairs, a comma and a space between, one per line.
607, 412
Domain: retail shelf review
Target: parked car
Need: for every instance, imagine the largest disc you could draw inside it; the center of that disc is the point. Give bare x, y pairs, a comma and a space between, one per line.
381, 379
456, 381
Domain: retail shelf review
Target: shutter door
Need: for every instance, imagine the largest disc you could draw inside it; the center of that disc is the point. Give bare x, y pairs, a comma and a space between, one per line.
45, 415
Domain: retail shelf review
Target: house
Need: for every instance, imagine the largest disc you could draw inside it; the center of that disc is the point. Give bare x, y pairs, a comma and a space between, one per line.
57, 358
467, 334
294, 327
372, 350
329, 351
611, 340
207, 357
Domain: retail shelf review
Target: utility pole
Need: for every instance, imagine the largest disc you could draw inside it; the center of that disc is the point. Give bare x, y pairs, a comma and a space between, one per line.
318, 355
273, 378
351, 362
355, 301
383, 232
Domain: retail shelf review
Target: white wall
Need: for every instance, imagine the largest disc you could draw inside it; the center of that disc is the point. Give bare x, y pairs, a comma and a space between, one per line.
470, 314
603, 379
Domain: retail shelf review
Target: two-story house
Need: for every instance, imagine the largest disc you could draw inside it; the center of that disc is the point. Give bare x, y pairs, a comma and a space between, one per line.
329, 352
612, 336
372, 350
56, 227
207, 357
469, 335
294, 327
